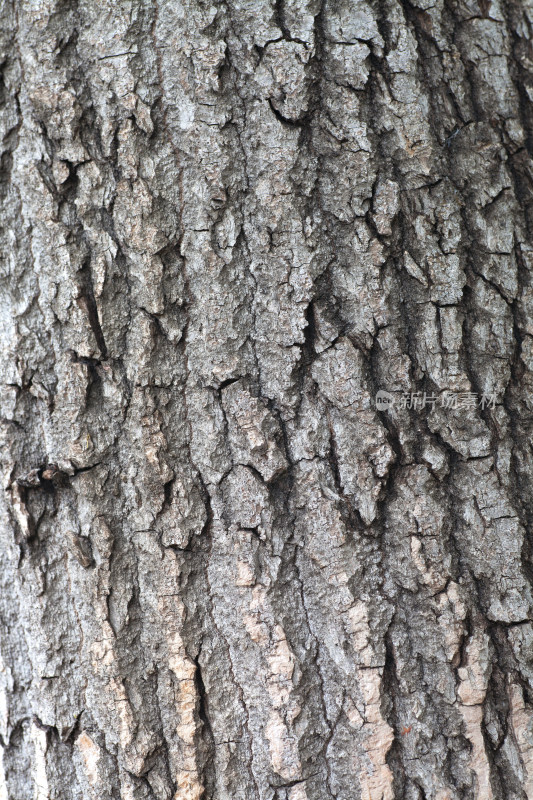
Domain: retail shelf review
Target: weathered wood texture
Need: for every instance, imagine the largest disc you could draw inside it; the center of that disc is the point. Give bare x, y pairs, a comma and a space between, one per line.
225, 574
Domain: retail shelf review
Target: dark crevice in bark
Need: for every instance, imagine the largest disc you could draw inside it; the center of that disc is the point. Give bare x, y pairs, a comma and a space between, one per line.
87, 303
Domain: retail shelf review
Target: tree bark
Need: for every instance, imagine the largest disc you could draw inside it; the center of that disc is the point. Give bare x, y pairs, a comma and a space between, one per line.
226, 571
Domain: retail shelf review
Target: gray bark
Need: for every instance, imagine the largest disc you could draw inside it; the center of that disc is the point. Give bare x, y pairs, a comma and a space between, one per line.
224, 572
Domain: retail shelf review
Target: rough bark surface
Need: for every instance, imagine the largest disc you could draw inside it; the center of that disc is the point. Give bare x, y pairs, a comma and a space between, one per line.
224, 573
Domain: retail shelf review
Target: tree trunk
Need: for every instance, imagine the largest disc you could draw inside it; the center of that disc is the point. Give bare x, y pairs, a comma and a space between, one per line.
227, 571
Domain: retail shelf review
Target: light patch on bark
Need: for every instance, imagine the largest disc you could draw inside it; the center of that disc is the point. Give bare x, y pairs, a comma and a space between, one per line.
522, 722
20, 511
90, 753
283, 748
473, 680
473, 717
452, 612
190, 787
298, 792
283, 745
3, 785
376, 779
473, 677
5, 684
413, 269
355, 717
245, 574
360, 632
40, 781
104, 660
127, 785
